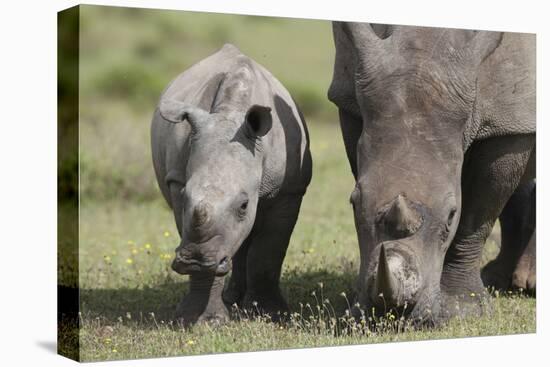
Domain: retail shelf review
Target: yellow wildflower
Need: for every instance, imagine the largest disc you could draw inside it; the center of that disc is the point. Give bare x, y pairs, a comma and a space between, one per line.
129, 261
166, 234
134, 251
147, 246
190, 342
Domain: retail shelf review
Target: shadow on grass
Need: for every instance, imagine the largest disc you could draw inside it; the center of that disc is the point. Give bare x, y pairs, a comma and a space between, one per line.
139, 303
299, 287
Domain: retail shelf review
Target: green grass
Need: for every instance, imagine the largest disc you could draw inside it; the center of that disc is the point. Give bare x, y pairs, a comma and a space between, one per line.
129, 293
128, 235
148, 337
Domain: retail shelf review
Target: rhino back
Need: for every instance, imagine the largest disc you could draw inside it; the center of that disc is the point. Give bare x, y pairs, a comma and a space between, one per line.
506, 81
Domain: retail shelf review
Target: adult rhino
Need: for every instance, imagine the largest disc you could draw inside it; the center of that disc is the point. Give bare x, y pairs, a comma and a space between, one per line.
231, 156
439, 129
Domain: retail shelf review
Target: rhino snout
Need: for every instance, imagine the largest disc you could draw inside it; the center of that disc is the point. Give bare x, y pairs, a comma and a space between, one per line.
206, 257
395, 281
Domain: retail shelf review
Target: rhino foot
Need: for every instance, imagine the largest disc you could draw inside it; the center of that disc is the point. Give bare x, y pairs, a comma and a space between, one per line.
233, 295
495, 275
272, 304
193, 309
204, 302
524, 276
473, 303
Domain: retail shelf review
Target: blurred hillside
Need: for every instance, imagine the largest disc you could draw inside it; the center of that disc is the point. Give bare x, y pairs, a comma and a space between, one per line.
129, 55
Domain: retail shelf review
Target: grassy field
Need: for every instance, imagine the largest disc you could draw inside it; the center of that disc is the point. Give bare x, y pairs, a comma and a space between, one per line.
128, 235
129, 293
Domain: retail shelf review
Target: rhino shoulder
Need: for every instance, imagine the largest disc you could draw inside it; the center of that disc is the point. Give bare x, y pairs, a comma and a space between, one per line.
342, 87
507, 92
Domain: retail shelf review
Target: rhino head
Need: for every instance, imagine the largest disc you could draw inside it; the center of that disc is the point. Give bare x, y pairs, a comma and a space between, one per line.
220, 196
416, 93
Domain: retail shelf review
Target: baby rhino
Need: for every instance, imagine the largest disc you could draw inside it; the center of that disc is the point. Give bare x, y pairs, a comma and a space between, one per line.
231, 156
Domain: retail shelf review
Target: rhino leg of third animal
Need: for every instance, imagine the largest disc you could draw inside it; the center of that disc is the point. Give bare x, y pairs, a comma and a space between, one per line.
265, 256
490, 176
524, 275
517, 222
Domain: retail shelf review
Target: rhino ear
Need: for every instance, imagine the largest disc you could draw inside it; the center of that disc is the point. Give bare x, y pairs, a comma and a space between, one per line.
176, 112
258, 120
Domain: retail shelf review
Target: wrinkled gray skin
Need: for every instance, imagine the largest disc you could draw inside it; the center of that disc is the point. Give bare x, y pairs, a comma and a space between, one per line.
515, 266
231, 156
439, 129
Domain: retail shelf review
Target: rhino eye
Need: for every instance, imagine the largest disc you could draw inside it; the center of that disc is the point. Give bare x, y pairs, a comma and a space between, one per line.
241, 211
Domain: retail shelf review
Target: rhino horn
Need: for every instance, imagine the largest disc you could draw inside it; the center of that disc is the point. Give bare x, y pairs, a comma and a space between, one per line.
400, 219
200, 215
386, 283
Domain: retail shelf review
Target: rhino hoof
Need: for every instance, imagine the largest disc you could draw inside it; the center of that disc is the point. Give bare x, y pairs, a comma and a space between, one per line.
524, 277
494, 276
191, 311
273, 305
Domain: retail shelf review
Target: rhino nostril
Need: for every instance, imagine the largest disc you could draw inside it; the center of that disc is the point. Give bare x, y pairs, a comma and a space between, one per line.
223, 266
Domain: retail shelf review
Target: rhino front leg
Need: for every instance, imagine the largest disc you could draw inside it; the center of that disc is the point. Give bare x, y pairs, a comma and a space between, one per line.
490, 176
265, 257
236, 287
204, 302
517, 222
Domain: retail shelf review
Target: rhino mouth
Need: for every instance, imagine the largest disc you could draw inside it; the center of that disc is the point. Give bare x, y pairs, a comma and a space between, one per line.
191, 266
